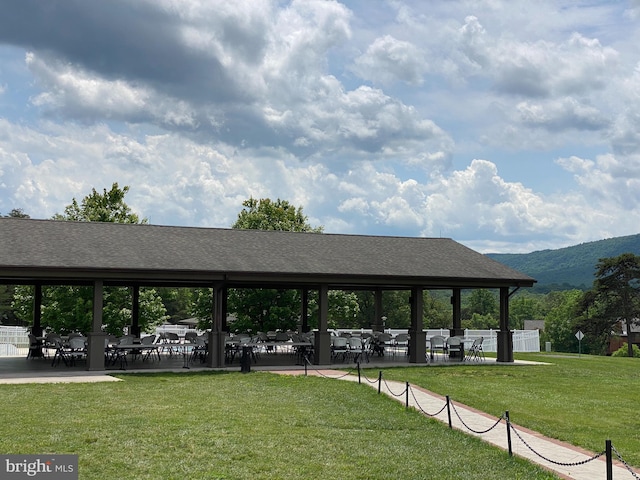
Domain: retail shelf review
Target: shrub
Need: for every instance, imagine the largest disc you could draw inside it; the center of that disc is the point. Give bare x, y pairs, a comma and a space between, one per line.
623, 351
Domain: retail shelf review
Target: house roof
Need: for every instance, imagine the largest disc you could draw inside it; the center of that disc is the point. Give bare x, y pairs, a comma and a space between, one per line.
41, 251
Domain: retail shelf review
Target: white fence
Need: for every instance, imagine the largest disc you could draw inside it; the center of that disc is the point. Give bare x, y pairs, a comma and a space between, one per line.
523, 340
14, 341
178, 329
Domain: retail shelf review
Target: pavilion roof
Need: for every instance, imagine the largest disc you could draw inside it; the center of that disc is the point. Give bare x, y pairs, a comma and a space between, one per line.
41, 251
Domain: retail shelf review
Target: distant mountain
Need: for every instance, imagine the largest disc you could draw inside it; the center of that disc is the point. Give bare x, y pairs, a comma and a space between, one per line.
570, 267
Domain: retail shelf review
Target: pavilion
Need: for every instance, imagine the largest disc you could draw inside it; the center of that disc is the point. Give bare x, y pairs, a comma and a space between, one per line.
49, 252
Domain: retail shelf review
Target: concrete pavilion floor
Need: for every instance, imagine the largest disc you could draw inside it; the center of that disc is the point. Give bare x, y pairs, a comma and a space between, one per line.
25, 368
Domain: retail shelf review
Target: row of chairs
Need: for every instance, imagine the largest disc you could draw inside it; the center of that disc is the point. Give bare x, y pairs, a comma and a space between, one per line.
454, 348
68, 350
113, 355
353, 348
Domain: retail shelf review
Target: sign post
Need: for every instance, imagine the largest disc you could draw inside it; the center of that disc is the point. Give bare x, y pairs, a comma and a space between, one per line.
579, 336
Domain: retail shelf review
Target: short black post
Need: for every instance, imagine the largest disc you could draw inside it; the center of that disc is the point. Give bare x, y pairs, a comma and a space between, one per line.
306, 362
609, 460
379, 381
506, 416
406, 394
449, 411
245, 361
185, 358
358, 364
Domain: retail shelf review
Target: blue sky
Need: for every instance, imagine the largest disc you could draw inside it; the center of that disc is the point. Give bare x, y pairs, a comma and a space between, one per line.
509, 126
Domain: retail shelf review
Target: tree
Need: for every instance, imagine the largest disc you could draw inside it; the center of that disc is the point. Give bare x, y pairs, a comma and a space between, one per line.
560, 319
480, 309
483, 302
343, 309
524, 307
107, 207
179, 302
69, 308
438, 311
479, 321
396, 309
366, 308
265, 214
342, 312
594, 323
202, 306
617, 287
17, 213
264, 309
7, 315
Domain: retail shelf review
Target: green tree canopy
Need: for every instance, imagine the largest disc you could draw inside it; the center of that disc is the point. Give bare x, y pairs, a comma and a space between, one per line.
106, 207
265, 214
480, 309
560, 321
617, 288
17, 213
597, 327
437, 309
523, 307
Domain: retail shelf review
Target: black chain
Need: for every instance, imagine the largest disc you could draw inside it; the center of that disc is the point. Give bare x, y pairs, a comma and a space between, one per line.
390, 392
574, 464
422, 409
375, 380
349, 372
479, 432
626, 465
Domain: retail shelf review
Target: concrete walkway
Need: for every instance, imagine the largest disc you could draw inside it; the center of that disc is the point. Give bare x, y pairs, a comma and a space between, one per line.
466, 419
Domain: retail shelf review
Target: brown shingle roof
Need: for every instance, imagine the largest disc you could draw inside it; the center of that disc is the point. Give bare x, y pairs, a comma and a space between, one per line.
47, 249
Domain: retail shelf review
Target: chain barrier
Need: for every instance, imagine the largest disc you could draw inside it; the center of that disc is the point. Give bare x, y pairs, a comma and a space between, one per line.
478, 432
375, 380
349, 372
422, 409
572, 464
626, 465
510, 426
391, 392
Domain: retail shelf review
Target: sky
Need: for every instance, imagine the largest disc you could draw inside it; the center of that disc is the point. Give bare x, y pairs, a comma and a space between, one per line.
510, 126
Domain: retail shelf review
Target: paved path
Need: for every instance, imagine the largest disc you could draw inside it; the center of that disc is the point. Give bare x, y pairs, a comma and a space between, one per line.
431, 403
61, 379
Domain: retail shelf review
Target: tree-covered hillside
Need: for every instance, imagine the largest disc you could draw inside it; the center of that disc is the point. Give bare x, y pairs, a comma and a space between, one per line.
570, 267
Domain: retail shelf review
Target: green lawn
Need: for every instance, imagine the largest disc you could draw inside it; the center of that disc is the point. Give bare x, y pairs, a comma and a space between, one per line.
242, 426
582, 400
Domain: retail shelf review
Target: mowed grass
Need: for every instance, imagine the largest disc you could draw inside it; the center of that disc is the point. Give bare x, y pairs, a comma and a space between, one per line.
242, 426
581, 400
